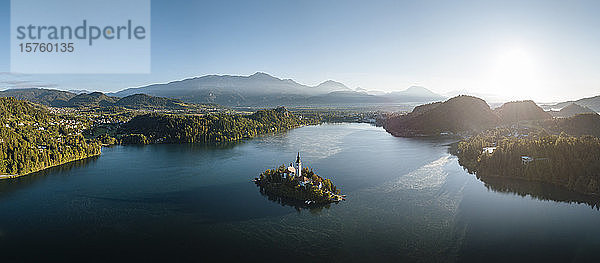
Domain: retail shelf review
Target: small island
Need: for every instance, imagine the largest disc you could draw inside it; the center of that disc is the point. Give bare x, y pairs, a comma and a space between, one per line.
300, 184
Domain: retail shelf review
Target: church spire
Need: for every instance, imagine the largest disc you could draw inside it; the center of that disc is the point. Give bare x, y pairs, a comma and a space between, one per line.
299, 164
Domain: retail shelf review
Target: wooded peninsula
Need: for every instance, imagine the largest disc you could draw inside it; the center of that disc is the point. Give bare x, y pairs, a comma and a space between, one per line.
563, 160
35, 137
32, 138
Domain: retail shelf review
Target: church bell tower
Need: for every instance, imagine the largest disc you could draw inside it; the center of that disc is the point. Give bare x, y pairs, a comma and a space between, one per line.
299, 165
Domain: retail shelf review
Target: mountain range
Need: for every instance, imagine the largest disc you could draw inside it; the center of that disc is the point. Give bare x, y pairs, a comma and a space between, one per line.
48, 97
571, 110
592, 103
57, 98
261, 89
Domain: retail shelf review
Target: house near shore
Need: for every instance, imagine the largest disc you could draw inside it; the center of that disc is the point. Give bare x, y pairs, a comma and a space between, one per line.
489, 150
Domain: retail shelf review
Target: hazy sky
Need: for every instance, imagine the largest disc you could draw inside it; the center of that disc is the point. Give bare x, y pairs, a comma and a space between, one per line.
544, 50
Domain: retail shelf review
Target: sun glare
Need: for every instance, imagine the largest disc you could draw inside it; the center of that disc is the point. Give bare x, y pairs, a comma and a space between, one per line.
514, 74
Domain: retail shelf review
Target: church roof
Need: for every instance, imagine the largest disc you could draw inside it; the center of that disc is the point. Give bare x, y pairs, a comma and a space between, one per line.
298, 158
291, 169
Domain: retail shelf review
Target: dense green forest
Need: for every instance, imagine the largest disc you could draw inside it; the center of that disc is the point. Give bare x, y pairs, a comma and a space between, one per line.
274, 181
339, 115
164, 128
32, 138
572, 162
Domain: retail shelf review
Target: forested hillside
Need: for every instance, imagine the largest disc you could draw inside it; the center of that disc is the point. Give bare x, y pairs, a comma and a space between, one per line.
94, 99
48, 97
515, 111
458, 114
571, 162
32, 139
163, 128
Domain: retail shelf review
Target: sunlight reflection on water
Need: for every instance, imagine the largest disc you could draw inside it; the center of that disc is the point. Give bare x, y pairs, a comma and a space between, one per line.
325, 145
431, 175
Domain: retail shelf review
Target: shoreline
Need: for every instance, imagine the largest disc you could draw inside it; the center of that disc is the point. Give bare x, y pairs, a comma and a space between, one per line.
13, 176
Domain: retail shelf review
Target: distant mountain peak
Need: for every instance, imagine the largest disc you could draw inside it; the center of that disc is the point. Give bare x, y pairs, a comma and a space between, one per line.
330, 82
417, 88
261, 75
331, 86
417, 92
263, 89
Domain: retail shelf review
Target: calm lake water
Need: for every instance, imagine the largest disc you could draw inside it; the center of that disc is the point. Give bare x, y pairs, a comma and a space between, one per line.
408, 200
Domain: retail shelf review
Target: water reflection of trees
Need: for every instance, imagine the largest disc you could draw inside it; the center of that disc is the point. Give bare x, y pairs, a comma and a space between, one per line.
200, 146
14, 184
539, 190
214, 145
296, 204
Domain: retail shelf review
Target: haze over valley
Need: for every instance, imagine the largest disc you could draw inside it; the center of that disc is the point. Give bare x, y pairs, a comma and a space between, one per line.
263, 90
300, 131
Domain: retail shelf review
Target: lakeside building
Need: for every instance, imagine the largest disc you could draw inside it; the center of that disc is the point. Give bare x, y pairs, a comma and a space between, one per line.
489, 150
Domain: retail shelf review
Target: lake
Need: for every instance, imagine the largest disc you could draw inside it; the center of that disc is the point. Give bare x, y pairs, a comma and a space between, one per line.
408, 200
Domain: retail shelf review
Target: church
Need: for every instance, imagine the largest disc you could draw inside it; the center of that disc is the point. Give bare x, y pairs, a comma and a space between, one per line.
297, 171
